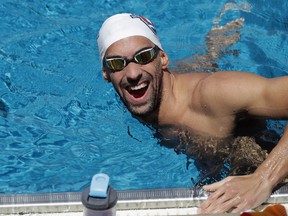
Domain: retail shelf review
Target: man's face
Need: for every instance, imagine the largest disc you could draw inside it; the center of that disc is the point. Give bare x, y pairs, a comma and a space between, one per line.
139, 86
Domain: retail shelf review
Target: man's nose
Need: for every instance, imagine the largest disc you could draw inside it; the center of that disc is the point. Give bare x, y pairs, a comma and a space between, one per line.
133, 73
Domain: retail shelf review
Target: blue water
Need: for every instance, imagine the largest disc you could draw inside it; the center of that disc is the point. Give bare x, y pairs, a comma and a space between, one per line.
64, 123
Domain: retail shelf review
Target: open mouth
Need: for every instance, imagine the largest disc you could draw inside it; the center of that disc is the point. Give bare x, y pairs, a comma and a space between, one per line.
139, 90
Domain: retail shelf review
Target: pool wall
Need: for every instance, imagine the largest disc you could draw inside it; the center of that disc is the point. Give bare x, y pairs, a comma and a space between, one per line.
183, 201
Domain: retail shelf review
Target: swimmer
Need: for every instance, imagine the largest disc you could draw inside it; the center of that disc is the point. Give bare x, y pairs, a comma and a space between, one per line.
212, 104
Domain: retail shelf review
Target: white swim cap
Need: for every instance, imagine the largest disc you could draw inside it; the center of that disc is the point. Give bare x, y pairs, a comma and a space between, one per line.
124, 25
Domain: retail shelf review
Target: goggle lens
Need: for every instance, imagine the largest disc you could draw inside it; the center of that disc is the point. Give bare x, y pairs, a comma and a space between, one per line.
145, 56
115, 64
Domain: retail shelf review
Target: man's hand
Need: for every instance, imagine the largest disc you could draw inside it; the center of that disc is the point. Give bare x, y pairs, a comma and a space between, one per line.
236, 194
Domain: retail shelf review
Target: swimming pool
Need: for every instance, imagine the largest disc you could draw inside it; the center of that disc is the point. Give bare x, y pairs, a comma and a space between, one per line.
64, 123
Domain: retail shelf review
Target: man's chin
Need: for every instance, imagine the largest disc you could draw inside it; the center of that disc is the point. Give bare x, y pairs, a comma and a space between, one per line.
144, 109
141, 111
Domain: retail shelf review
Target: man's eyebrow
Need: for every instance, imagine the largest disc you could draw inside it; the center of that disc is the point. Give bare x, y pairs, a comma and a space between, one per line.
119, 56
144, 48
113, 56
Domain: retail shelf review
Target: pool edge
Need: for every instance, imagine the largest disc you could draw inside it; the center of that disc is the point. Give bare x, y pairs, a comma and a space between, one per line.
170, 198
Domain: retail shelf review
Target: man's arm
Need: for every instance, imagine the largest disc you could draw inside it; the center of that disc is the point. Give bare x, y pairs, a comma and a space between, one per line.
260, 97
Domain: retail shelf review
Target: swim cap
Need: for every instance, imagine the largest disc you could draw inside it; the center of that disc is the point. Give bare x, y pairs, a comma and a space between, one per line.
124, 25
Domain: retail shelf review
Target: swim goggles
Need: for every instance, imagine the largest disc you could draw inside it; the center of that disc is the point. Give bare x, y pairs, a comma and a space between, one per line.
142, 57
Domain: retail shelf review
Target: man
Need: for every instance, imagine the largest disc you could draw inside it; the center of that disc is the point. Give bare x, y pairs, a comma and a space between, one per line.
209, 104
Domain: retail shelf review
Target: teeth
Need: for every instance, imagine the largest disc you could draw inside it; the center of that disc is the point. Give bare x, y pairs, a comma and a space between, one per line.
143, 85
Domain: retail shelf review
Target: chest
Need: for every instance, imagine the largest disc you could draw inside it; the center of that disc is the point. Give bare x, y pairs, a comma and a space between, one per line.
219, 126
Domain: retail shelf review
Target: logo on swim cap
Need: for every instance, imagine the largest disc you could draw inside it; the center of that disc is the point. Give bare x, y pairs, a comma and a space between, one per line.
146, 22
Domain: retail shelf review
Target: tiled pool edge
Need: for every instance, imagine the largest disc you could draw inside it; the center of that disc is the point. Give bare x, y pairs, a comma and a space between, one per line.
174, 198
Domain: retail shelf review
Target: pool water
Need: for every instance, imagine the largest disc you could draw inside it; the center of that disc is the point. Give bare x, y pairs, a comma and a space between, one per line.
60, 123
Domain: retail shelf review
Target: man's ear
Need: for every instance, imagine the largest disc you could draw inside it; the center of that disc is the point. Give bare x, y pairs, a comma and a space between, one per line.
164, 59
105, 75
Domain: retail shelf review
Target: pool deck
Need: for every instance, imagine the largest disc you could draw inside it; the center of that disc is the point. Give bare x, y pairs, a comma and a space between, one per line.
161, 202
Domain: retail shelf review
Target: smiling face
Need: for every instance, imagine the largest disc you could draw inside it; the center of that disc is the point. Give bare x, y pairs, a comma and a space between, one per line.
139, 86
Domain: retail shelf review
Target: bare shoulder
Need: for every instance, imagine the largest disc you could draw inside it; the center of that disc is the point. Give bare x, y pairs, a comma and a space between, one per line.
219, 77
230, 90
232, 80
233, 76
220, 80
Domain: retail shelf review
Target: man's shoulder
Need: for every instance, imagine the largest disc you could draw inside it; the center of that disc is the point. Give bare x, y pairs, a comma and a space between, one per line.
221, 75
227, 78
210, 84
